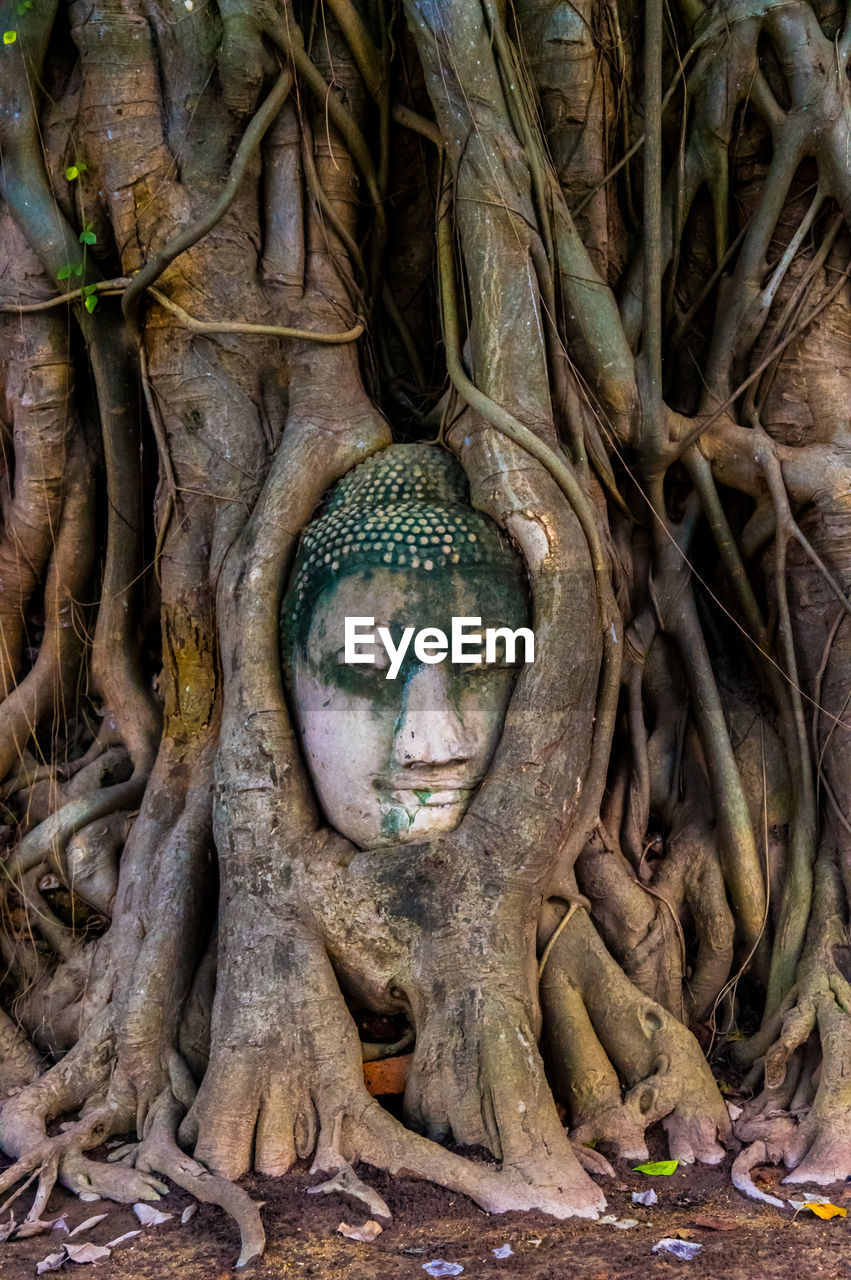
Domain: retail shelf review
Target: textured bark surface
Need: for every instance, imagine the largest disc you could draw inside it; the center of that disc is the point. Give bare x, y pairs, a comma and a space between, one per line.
600, 253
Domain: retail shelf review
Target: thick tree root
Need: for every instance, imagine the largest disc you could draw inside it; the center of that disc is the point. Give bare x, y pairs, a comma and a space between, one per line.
604, 1033
160, 1153
813, 1139
748, 1158
135, 1178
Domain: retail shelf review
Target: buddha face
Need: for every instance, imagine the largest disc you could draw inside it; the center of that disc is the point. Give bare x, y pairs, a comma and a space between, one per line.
397, 760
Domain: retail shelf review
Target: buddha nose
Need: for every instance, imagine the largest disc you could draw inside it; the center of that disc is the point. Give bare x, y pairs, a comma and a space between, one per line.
429, 730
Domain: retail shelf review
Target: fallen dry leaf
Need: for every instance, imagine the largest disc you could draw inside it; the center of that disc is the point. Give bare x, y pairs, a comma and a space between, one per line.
366, 1234
35, 1228
657, 1168
828, 1211
679, 1248
150, 1217
87, 1252
52, 1262
715, 1224
128, 1235
189, 1212
89, 1222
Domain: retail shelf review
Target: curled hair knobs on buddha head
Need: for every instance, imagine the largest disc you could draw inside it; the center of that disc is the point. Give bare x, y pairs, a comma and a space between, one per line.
406, 507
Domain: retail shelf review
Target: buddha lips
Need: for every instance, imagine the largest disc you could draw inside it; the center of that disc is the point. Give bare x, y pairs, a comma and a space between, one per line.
431, 644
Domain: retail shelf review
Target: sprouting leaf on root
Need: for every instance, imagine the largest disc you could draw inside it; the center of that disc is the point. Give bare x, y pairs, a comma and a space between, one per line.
90, 303
70, 269
23, 7
9, 37
657, 1167
74, 170
87, 236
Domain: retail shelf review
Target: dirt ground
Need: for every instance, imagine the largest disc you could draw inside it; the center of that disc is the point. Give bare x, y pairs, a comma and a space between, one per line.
762, 1243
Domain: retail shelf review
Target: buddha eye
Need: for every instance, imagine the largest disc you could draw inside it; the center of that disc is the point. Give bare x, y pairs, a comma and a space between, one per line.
379, 653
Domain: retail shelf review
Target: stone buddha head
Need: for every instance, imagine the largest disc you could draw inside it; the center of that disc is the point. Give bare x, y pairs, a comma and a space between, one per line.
396, 739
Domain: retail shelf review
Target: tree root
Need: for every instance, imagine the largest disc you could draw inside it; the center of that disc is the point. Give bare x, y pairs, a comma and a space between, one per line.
159, 1153
347, 1183
747, 1159
605, 1033
815, 1143
19, 1062
61, 1157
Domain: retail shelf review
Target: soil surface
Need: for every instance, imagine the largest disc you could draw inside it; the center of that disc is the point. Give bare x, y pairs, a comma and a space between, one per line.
760, 1242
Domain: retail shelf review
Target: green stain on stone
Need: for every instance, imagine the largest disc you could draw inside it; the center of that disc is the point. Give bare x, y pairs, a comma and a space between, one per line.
395, 821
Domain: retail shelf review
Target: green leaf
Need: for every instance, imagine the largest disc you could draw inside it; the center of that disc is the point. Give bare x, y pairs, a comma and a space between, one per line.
9, 37
72, 172
90, 303
22, 8
657, 1167
70, 269
88, 236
